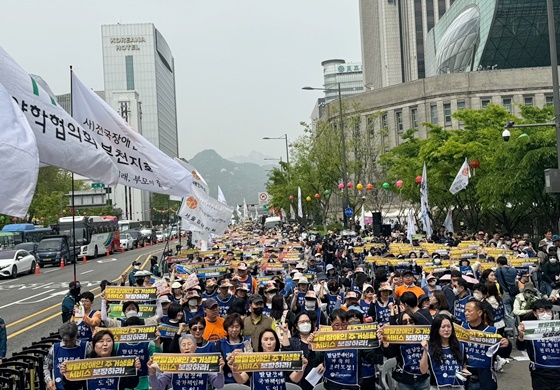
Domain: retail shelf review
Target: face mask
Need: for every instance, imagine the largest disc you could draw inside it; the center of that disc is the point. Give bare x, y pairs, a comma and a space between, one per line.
455, 291
75, 291
553, 260
309, 305
305, 328
258, 310
193, 302
478, 296
544, 316
136, 267
437, 261
132, 313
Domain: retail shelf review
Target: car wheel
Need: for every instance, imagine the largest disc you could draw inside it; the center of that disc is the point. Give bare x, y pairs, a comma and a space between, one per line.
14, 272
32, 270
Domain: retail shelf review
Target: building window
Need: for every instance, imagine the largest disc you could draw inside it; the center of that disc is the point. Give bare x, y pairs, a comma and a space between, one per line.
447, 112
434, 114
549, 100
129, 64
398, 119
384, 121
460, 105
506, 103
528, 101
414, 118
484, 103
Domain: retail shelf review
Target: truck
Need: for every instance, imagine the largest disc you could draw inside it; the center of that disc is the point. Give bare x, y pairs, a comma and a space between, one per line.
56, 249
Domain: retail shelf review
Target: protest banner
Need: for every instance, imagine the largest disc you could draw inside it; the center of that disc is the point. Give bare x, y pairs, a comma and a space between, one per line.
167, 331
81, 369
406, 334
476, 336
145, 311
132, 334
540, 330
360, 327
193, 363
346, 339
115, 293
190, 281
266, 361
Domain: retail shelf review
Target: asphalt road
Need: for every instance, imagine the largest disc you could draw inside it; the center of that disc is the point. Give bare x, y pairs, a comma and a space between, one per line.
30, 304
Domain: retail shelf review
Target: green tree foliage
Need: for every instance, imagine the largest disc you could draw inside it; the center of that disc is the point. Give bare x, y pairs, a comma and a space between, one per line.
506, 192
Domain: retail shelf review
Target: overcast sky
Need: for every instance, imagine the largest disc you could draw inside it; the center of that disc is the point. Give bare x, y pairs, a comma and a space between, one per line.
240, 64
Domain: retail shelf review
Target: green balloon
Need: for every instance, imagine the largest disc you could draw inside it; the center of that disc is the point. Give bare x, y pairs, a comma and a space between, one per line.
327, 192
523, 135
386, 186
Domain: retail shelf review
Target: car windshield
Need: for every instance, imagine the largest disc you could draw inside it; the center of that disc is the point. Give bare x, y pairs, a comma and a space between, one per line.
49, 244
7, 255
132, 233
28, 246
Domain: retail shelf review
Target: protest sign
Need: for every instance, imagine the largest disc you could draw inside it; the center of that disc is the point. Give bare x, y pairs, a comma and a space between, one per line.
406, 334
539, 330
115, 293
145, 311
266, 361
167, 331
132, 334
81, 369
193, 363
346, 339
476, 336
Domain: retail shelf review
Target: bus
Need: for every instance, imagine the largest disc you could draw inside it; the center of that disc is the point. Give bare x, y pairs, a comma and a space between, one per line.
27, 232
126, 224
96, 235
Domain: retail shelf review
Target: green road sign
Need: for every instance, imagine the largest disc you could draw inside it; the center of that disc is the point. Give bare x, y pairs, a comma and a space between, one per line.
97, 185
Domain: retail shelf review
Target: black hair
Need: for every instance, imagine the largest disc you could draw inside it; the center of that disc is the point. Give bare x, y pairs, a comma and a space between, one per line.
456, 274
484, 275
277, 347
409, 298
173, 310
408, 313
197, 320
134, 321
239, 306
87, 295
481, 287
312, 317
277, 307
501, 260
126, 304
436, 351
231, 319
355, 313
462, 283
98, 336
338, 313
541, 304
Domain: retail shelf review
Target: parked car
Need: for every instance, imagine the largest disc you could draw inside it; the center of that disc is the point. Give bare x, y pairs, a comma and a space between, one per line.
127, 241
160, 236
14, 262
55, 249
30, 247
137, 237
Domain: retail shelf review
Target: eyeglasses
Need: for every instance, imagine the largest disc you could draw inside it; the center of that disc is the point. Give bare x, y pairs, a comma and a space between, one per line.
407, 322
197, 328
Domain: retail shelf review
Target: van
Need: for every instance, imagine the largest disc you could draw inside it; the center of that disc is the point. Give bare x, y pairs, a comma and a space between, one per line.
271, 222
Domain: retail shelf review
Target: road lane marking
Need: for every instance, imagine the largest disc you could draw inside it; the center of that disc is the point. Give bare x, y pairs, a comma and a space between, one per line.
86, 272
24, 299
42, 286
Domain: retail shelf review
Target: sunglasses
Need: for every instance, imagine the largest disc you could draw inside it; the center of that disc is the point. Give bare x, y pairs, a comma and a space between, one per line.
197, 328
407, 322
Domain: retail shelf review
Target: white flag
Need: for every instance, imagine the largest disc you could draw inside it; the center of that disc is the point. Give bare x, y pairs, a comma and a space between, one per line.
221, 197
140, 164
282, 214
462, 179
363, 218
61, 141
292, 213
410, 226
425, 205
19, 158
245, 210
448, 223
238, 210
299, 208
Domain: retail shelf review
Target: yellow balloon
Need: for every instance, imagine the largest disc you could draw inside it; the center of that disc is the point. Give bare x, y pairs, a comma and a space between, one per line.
308, 199
359, 187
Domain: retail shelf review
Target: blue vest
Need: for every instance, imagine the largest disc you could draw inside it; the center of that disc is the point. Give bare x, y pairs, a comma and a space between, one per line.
444, 373
206, 348
188, 315
476, 353
368, 369
268, 380
266, 311
189, 381
365, 306
459, 310
84, 330
227, 348
383, 312
341, 367
223, 306
205, 295
332, 301
301, 299
61, 355
547, 352
499, 313
141, 350
411, 355
249, 283
103, 384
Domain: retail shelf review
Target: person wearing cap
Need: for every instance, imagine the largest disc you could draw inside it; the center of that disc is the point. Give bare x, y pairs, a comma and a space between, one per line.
366, 301
409, 284
523, 302
192, 305
524, 278
210, 289
69, 300
331, 273
224, 298
429, 284
298, 299
333, 297
135, 267
381, 304
176, 292
129, 309
313, 304
255, 323
245, 277
290, 284
214, 330
270, 291
350, 300
315, 264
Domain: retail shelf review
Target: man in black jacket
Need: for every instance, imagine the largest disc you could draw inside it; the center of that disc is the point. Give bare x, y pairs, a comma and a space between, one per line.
507, 279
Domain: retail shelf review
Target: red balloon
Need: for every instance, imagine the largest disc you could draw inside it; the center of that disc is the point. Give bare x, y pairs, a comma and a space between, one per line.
317, 196
418, 179
369, 187
291, 197
349, 185
474, 164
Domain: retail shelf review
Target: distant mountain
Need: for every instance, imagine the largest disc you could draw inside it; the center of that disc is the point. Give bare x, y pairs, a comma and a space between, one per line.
254, 157
237, 180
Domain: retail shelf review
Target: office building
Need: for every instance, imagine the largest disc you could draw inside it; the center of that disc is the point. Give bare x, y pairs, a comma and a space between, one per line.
349, 75
393, 35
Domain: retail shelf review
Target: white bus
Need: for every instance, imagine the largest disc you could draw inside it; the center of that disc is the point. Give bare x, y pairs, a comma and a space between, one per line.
126, 224
95, 234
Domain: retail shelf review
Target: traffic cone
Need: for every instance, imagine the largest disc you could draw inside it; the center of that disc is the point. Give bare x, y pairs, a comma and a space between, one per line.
84, 260
61, 263
107, 253
37, 272
122, 249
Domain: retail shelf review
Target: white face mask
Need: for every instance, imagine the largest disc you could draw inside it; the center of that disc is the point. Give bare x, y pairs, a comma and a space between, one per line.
544, 316
136, 267
310, 305
305, 328
455, 291
478, 296
193, 302
132, 313
553, 260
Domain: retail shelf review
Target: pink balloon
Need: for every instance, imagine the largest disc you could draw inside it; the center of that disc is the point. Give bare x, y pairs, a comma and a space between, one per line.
399, 183
341, 186
349, 185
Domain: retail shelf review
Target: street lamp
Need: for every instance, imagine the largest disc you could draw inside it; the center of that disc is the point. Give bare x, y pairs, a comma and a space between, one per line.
342, 137
285, 137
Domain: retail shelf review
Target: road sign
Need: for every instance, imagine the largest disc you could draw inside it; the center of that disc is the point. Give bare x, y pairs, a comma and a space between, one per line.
263, 198
97, 185
348, 211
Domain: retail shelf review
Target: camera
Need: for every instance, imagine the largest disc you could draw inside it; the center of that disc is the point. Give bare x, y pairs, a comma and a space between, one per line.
506, 134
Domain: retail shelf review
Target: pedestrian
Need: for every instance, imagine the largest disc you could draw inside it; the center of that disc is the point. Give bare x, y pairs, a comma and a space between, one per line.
91, 319
255, 323
214, 330
69, 301
3, 340
506, 276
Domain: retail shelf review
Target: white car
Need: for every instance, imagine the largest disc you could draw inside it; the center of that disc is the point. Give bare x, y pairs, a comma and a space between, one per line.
14, 262
127, 241
160, 236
